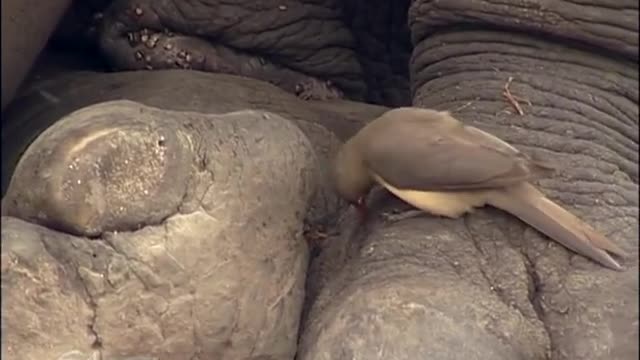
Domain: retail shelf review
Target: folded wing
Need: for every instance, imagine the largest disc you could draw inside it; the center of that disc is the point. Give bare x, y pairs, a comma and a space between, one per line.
418, 156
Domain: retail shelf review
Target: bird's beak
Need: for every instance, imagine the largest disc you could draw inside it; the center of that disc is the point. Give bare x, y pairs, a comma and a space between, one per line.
361, 206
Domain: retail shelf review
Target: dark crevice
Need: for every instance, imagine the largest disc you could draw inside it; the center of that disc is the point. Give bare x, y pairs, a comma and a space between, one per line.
536, 289
495, 287
89, 299
383, 46
481, 264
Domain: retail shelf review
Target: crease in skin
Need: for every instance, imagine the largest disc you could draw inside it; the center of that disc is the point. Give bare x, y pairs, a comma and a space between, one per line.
437, 164
588, 25
517, 46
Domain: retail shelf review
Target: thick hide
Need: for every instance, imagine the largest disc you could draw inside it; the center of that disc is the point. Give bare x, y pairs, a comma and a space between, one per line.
196, 246
44, 102
175, 225
487, 286
266, 40
579, 111
611, 25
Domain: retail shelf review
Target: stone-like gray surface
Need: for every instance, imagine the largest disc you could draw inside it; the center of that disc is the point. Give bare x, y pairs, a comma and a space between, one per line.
219, 275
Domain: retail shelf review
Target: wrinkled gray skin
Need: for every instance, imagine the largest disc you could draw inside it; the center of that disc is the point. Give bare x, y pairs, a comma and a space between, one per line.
482, 287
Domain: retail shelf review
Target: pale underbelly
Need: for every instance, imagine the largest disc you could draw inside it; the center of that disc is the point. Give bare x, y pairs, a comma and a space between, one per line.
450, 203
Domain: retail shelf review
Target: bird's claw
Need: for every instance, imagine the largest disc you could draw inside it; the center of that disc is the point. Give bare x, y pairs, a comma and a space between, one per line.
394, 216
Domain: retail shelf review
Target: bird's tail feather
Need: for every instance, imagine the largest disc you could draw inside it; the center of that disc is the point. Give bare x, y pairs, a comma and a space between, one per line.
531, 206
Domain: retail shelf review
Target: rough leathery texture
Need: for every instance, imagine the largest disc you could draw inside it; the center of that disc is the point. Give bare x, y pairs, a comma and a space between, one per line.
522, 295
45, 102
380, 293
269, 40
394, 288
580, 111
593, 99
611, 25
339, 47
221, 276
40, 297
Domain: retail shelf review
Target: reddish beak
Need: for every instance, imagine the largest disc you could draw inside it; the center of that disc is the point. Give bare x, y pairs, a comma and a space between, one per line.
361, 206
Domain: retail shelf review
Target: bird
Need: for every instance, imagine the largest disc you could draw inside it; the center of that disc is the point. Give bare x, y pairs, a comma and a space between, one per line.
441, 166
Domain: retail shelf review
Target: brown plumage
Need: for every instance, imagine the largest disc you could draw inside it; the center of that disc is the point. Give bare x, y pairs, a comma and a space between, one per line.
437, 164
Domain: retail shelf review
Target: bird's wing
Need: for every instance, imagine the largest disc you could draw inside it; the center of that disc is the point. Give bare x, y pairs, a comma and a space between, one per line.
418, 157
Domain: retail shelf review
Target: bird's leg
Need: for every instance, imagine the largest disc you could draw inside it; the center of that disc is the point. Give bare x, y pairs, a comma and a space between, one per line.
403, 215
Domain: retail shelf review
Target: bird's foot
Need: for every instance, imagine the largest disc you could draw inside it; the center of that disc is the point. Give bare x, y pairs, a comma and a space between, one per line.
395, 216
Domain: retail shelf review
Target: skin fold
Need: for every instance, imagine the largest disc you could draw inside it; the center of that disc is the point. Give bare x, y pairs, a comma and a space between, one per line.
432, 161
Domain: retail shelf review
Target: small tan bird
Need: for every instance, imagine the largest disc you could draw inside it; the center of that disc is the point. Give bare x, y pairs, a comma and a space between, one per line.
441, 166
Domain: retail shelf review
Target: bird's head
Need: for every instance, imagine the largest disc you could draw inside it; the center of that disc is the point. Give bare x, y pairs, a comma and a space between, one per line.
351, 177
361, 206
